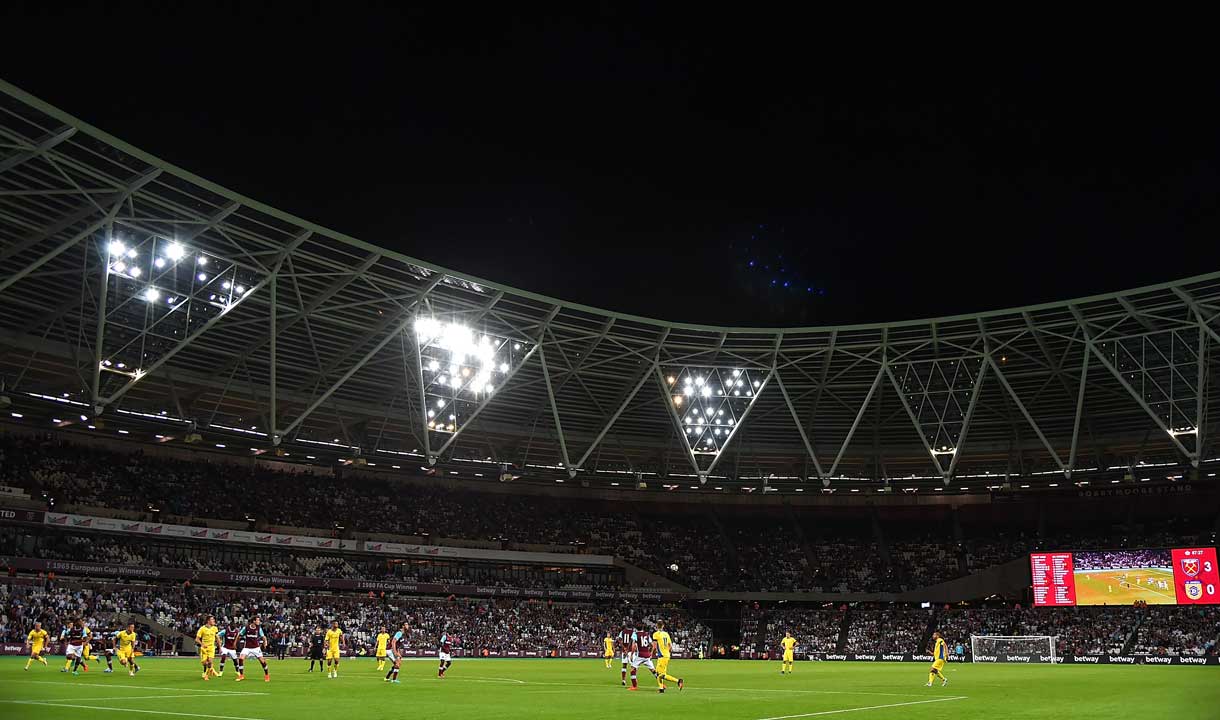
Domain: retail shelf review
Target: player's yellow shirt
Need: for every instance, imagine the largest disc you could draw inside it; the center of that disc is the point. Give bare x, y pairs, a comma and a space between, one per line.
127, 640
789, 643
609, 643
206, 637
664, 645
37, 638
332, 639
382, 640
941, 651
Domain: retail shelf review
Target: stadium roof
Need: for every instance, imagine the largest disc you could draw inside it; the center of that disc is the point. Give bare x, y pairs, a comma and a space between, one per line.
243, 318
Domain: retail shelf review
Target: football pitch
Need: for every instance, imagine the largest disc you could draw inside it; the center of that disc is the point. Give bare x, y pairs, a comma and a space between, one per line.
728, 690
1107, 587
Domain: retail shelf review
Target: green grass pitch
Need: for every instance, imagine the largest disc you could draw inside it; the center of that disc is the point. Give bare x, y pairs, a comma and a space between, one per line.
1108, 587
729, 690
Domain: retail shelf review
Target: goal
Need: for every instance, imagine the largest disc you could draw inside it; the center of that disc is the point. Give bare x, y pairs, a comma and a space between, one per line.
1013, 648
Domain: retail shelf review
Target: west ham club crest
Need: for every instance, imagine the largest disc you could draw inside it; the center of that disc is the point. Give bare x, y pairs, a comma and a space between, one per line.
1190, 566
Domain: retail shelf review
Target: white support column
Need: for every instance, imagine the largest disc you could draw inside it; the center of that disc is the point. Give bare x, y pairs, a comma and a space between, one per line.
868, 398
1101, 357
367, 356
654, 367
550, 393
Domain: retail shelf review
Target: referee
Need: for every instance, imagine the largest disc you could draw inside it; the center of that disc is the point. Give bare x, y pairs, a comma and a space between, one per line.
315, 647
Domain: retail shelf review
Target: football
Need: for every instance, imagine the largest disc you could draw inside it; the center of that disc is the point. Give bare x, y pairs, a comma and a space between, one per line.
674, 567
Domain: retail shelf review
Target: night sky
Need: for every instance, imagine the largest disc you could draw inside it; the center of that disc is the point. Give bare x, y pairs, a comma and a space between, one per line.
641, 163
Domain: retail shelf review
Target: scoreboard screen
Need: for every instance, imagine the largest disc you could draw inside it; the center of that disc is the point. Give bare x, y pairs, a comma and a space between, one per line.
1178, 576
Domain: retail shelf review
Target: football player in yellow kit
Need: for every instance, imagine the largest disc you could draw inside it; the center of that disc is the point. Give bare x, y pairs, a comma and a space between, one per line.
940, 654
789, 646
36, 640
664, 645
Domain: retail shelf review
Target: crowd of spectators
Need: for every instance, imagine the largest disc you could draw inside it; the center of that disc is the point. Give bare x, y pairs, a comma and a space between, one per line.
817, 629
887, 629
1184, 630
494, 626
1121, 559
757, 553
1081, 630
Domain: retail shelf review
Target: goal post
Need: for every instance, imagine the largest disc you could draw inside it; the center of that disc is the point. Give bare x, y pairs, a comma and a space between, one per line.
1014, 648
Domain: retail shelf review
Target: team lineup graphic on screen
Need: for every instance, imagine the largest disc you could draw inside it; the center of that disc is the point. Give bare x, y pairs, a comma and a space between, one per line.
1181, 576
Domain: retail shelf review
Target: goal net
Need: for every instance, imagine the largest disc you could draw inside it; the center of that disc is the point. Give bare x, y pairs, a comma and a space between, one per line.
1013, 648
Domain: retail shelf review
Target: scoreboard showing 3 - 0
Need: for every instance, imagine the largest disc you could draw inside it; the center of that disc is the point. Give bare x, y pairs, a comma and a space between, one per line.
1195, 576
1154, 576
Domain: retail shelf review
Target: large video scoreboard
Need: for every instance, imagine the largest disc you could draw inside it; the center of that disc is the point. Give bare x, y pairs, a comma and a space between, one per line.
1177, 576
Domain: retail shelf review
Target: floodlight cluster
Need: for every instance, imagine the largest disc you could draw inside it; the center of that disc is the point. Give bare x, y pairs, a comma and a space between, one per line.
710, 402
155, 280
460, 366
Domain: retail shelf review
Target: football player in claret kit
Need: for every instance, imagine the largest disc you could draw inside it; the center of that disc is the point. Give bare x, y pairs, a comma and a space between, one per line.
252, 640
608, 641
664, 645
641, 650
940, 654
625, 655
229, 636
205, 638
383, 641
398, 644
36, 641
444, 651
333, 637
105, 645
76, 635
316, 642
127, 649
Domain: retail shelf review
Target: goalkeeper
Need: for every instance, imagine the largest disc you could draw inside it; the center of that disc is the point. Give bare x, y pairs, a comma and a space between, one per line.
940, 654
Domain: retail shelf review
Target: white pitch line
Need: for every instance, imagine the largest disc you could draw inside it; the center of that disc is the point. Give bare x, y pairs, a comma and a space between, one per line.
870, 707
79, 699
125, 686
493, 679
130, 710
696, 688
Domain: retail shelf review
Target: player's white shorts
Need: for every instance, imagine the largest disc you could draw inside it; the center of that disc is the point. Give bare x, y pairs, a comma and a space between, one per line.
646, 661
227, 653
445, 657
628, 658
389, 655
74, 651
251, 652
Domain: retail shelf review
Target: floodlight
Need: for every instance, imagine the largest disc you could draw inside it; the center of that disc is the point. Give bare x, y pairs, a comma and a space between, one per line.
503, 367
135, 271
202, 277
152, 294
131, 253
440, 403
175, 252
120, 266
117, 247
159, 262
240, 290
226, 284
434, 366
202, 260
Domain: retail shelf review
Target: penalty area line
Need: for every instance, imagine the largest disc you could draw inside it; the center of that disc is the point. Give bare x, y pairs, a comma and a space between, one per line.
125, 686
128, 710
870, 707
